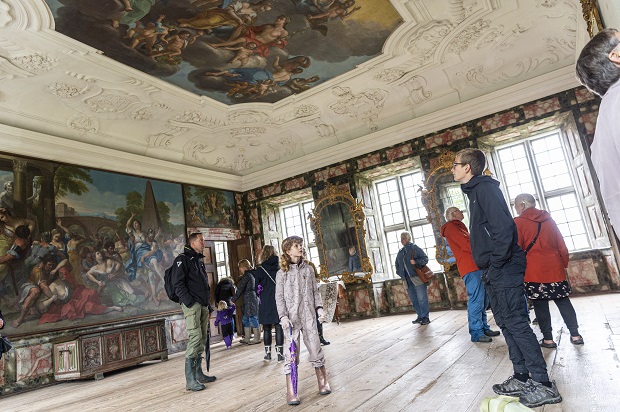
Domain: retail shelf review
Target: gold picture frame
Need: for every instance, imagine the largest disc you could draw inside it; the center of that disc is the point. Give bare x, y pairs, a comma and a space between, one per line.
592, 16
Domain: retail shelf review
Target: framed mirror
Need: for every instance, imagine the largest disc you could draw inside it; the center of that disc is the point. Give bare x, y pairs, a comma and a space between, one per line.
338, 224
440, 192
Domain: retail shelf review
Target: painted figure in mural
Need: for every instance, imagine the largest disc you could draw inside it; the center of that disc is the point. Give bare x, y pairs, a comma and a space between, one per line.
264, 36
298, 84
111, 280
8, 223
10, 272
141, 258
74, 240
38, 283
6, 197
336, 10
176, 43
242, 54
148, 35
41, 248
233, 14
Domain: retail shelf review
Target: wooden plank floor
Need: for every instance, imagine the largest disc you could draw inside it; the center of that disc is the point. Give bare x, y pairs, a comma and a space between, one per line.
373, 365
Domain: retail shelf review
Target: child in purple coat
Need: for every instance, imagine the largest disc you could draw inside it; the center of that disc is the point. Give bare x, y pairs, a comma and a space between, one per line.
225, 316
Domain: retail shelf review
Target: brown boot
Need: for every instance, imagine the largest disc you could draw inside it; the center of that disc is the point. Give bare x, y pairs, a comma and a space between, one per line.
321, 377
291, 398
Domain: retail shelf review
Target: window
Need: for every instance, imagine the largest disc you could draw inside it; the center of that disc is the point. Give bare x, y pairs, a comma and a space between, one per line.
295, 222
221, 258
539, 166
400, 203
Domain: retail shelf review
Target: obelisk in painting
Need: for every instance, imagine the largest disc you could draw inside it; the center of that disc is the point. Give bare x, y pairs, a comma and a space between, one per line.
150, 215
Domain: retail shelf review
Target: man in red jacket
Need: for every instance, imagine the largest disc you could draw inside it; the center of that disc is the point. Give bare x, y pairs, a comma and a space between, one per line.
457, 235
545, 274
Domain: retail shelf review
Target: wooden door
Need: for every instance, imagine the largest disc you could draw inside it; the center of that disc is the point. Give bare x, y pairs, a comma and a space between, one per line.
211, 267
237, 250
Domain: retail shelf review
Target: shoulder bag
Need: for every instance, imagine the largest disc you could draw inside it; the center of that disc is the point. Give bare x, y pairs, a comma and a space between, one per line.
424, 273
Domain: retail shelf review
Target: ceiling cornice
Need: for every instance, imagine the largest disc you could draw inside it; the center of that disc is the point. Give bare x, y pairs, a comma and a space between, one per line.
533, 89
53, 148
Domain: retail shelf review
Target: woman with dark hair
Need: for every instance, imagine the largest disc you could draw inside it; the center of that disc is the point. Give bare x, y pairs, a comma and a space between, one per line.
247, 289
265, 276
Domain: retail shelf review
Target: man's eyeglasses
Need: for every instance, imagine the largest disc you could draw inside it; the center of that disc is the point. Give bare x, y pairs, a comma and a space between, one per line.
457, 163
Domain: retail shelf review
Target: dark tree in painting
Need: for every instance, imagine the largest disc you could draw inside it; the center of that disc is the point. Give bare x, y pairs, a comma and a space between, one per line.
71, 179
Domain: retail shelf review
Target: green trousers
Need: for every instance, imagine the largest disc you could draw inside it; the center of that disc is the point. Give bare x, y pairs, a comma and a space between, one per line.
197, 324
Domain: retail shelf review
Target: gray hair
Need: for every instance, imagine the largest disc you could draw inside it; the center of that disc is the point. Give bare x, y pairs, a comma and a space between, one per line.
594, 69
450, 211
527, 199
406, 234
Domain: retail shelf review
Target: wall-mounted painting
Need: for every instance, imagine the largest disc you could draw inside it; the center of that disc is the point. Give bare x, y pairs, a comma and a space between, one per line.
81, 247
233, 51
209, 208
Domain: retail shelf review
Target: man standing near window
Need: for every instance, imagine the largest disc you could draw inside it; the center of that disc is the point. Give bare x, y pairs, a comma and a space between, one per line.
408, 257
457, 236
189, 277
598, 68
495, 249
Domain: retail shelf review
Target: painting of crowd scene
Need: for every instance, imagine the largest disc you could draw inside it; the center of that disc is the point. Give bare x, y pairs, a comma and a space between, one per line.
205, 207
233, 51
80, 246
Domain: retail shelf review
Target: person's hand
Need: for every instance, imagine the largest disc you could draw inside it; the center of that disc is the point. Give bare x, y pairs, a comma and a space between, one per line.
1, 323
321, 314
285, 322
412, 261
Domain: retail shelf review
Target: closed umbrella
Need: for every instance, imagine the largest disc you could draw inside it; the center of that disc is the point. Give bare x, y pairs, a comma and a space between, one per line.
293, 350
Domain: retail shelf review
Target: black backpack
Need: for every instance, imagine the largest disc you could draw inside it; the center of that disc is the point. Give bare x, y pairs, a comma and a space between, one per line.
168, 286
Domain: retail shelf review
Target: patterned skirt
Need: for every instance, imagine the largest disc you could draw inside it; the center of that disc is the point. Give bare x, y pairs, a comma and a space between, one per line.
549, 291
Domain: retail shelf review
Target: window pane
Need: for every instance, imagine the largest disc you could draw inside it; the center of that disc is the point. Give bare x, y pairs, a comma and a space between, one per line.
453, 196
567, 214
393, 243
516, 170
308, 207
221, 258
413, 196
424, 238
389, 203
551, 163
292, 221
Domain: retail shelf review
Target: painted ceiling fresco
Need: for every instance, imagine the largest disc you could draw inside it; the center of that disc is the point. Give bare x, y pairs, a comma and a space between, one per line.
233, 51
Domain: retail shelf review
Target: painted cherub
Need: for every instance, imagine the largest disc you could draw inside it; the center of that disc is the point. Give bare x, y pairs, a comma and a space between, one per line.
176, 43
243, 53
147, 35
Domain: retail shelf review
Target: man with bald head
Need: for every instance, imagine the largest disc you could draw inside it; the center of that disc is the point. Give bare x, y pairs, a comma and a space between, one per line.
457, 236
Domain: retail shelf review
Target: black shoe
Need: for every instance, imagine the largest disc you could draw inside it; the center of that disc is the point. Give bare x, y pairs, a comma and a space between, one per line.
484, 339
490, 332
418, 320
551, 345
425, 321
323, 341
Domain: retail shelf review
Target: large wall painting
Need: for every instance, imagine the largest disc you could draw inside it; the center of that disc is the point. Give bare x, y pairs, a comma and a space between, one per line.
101, 257
209, 208
233, 51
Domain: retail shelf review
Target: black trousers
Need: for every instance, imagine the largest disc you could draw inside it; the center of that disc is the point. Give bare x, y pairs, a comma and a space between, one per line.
267, 335
541, 309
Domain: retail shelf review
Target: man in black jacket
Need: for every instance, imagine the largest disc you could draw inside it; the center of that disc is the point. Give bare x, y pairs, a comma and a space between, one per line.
495, 249
189, 277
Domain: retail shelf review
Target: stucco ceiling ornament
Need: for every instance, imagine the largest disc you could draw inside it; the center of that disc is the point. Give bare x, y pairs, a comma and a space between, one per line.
5, 16
390, 75
468, 36
321, 128
36, 62
245, 149
83, 124
424, 41
417, 90
364, 106
182, 123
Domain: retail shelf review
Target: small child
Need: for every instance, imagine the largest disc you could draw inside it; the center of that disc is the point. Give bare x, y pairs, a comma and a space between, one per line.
299, 302
225, 315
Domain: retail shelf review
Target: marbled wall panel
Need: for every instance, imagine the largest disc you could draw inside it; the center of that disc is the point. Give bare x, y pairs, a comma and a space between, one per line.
33, 361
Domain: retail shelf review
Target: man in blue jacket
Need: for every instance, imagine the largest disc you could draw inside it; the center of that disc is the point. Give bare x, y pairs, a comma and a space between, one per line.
189, 277
408, 257
495, 249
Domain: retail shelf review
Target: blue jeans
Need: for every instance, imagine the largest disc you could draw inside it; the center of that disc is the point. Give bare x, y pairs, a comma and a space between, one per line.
476, 305
418, 298
250, 321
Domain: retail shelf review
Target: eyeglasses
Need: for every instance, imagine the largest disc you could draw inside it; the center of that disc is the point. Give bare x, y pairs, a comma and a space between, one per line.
457, 163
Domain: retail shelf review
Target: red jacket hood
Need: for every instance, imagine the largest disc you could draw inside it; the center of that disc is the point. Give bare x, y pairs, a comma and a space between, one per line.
535, 215
452, 222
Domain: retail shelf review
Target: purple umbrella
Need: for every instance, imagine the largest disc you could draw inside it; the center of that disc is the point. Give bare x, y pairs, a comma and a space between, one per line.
293, 350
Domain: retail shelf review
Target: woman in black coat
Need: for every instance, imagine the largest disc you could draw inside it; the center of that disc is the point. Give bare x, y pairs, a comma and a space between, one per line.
265, 276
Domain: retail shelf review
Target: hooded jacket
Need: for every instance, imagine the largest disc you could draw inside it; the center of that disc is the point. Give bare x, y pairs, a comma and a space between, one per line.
548, 258
457, 236
189, 277
265, 276
492, 230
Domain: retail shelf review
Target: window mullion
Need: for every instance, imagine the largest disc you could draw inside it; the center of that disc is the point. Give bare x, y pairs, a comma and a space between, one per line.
537, 180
